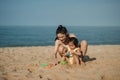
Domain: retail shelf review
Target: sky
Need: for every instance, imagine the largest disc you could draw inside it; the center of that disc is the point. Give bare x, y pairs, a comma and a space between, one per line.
55, 12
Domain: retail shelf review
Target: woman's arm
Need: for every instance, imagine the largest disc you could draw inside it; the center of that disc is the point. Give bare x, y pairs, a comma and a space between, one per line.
57, 43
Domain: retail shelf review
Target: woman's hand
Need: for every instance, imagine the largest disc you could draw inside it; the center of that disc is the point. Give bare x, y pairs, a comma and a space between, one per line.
56, 62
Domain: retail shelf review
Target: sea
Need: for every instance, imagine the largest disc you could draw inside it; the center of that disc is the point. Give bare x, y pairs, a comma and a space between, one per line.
19, 36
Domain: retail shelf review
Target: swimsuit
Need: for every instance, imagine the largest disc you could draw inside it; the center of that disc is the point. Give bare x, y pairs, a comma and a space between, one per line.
68, 54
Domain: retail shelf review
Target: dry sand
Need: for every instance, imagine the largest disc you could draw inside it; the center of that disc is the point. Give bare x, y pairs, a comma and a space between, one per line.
24, 63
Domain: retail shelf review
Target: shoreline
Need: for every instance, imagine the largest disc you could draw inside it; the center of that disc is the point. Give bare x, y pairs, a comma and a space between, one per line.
53, 45
24, 63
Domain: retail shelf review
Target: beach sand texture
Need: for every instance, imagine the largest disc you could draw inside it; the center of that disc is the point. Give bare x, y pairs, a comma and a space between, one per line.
24, 63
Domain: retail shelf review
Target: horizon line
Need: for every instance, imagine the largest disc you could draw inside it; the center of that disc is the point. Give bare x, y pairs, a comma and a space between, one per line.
63, 25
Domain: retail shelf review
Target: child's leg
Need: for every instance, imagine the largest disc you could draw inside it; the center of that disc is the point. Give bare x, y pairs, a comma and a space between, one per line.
76, 59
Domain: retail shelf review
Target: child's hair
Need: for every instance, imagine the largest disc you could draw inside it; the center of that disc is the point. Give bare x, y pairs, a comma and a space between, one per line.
74, 40
61, 29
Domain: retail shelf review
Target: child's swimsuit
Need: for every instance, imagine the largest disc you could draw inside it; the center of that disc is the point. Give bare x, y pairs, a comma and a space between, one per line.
68, 54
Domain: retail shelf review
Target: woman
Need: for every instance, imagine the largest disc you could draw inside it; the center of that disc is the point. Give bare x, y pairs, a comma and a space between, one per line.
61, 42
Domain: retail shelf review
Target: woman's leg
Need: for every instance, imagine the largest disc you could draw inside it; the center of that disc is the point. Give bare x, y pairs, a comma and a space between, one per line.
83, 47
81, 60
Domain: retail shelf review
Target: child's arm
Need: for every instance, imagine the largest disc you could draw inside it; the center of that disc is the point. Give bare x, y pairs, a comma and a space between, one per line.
76, 52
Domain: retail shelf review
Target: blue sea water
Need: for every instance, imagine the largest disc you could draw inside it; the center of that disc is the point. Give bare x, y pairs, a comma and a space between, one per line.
12, 36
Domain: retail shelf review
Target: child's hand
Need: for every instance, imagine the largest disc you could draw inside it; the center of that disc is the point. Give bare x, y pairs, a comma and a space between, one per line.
72, 52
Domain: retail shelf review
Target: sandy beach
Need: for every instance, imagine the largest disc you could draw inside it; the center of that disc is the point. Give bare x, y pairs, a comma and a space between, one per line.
25, 63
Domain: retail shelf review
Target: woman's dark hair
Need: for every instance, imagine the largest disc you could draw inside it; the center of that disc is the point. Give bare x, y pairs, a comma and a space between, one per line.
61, 29
74, 40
